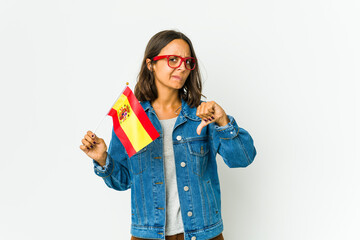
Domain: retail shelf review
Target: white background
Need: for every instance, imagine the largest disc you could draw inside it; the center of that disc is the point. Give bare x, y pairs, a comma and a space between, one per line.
288, 71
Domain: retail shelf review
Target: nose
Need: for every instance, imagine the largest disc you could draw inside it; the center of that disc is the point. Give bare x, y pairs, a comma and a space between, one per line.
182, 66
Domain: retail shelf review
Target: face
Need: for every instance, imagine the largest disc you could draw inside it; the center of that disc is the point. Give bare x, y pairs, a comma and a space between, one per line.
165, 76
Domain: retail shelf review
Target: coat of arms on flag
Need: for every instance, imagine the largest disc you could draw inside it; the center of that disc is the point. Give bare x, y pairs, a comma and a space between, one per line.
123, 113
131, 124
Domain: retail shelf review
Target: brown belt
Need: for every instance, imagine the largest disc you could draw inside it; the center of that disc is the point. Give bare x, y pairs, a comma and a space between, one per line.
179, 236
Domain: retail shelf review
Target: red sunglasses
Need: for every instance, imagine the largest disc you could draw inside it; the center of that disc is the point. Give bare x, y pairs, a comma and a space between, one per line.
175, 61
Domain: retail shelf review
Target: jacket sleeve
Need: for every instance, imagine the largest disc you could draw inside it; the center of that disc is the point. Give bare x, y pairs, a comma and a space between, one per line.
115, 173
234, 144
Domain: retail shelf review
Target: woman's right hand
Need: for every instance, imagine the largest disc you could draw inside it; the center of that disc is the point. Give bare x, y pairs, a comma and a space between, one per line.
94, 147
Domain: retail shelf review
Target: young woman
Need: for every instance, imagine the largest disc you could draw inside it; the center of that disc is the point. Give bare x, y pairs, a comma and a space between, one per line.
175, 189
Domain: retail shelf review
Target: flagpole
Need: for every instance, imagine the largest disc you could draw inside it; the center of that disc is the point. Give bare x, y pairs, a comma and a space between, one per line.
127, 83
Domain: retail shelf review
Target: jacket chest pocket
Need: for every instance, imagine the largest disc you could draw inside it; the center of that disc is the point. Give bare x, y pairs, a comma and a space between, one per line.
199, 152
138, 161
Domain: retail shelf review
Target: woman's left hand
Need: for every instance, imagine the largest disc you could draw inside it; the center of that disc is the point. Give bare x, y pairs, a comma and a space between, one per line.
211, 112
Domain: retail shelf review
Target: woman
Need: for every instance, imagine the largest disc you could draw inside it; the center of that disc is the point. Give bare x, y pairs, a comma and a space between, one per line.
175, 190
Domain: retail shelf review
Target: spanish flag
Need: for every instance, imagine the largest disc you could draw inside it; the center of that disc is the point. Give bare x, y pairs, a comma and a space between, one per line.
131, 124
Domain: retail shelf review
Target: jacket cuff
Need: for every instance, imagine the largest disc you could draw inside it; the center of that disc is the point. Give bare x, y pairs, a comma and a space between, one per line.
106, 170
228, 131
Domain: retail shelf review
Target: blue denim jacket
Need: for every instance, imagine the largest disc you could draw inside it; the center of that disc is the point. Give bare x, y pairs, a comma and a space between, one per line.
196, 168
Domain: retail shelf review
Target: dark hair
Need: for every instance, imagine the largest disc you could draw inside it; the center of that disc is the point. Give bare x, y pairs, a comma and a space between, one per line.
145, 88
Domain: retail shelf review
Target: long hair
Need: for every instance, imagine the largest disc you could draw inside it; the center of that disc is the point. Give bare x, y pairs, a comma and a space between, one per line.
145, 88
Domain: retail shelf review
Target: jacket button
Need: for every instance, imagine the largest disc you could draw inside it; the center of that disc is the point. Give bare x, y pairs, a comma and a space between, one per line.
186, 188
183, 164
178, 138
189, 213
193, 238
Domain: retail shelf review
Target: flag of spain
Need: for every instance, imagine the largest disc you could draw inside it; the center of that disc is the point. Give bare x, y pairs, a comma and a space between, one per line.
131, 124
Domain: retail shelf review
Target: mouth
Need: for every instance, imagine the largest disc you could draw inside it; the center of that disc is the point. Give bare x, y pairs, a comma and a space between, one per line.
176, 77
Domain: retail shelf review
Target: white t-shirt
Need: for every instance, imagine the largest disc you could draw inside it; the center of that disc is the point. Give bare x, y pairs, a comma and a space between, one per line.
174, 223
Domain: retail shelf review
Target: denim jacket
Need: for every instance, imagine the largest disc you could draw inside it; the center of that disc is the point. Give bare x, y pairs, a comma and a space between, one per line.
196, 174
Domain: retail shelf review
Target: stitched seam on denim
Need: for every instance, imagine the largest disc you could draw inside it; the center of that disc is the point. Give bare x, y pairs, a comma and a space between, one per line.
231, 125
198, 154
163, 175
193, 119
199, 138
136, 238
112, 169
190, 186
191, 156
145, 226
202, 201
181, 123
136, 205
194, 167
140, 166
143, 197
141, 160
212, 190
237, 133
205, 161
243, 147
207, 196
203, 229
154, 193
140, 151
212, 144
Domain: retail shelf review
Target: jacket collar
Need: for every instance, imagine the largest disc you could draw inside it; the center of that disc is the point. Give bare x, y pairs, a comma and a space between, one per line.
186, 110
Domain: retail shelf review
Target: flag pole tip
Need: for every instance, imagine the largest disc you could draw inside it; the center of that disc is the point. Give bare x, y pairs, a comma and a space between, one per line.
127, 83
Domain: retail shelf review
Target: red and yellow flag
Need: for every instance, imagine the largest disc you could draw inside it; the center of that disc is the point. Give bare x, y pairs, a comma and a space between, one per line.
131, 124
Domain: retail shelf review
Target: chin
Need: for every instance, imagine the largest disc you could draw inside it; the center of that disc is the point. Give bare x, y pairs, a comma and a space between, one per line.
178, 86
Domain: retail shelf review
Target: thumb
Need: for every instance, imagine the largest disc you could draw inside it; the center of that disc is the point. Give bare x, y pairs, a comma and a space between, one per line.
200, 127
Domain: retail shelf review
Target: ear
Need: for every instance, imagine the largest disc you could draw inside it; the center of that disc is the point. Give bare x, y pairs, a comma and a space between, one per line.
148, 64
